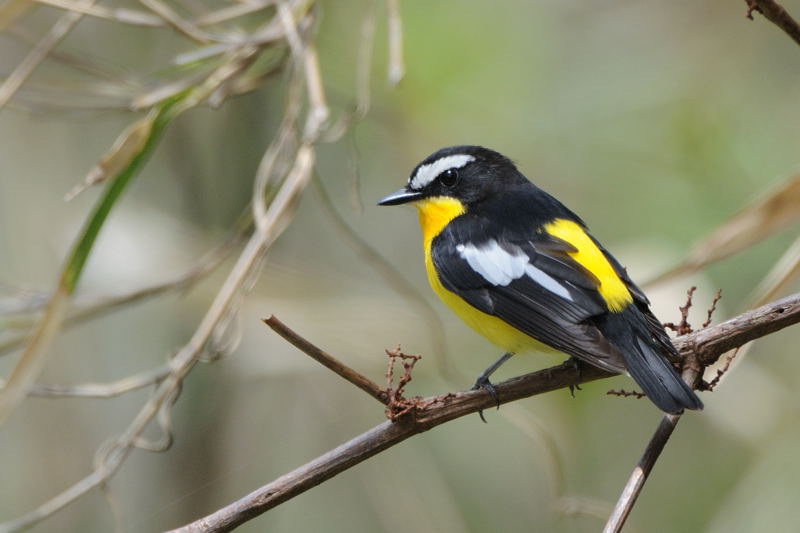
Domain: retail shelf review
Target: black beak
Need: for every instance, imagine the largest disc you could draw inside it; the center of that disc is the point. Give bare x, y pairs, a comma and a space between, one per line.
403, 196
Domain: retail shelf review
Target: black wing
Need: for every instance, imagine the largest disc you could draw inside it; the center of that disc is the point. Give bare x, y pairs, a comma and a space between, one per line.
560, 318
653, 324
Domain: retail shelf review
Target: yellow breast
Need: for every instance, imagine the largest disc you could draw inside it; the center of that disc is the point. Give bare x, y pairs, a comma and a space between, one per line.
434, 215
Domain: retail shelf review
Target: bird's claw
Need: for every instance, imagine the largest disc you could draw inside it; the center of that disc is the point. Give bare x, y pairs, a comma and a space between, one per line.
576, 364
484, 383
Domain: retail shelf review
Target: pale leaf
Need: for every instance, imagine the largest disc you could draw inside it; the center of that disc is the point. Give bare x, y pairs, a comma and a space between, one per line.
771, 213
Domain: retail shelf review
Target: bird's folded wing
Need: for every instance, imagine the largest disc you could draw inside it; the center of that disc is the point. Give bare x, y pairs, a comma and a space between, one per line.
532, 285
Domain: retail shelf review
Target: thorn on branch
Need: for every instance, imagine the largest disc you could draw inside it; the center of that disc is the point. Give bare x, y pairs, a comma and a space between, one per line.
397, 405
626, 394
683, 327
711, 385
717, 298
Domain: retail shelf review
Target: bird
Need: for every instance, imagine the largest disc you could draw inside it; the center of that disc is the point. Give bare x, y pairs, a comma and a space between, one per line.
522, 269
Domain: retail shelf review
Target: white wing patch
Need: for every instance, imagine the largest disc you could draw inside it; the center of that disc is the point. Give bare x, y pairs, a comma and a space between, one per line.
500, 267
547, 281
427, 173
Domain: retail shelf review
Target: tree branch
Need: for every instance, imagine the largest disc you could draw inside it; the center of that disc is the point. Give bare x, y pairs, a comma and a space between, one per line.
762, 321
776, 14
692, 375
327, 360
704, 347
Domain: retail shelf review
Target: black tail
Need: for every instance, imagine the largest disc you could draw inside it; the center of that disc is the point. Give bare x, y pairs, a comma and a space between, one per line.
643, 350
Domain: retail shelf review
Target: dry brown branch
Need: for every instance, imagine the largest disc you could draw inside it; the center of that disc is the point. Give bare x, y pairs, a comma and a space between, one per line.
692, 374
326, 360
636, 481
392, 276
630, 493
776, 14
698, 350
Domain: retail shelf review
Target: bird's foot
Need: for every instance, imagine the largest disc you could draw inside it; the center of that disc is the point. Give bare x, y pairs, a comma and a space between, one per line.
577, 365
483, 383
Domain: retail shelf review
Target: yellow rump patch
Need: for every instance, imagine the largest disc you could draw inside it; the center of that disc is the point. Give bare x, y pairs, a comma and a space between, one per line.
588, 255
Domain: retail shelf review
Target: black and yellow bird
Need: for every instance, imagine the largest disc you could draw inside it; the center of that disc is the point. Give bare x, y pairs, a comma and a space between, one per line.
521, 269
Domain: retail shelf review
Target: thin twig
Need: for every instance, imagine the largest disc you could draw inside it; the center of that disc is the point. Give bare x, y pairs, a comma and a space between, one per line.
700, 348
622, 393
648, 460
722, 371
391, 275
183, 361
89, 310
101, 390
710, 314
776, 14
398, 405
274, 222
683, 327
326, 360
640, 473
692, 375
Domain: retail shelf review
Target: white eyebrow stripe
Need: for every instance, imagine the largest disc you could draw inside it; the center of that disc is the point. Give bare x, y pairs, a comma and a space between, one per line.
500, 267
427, 173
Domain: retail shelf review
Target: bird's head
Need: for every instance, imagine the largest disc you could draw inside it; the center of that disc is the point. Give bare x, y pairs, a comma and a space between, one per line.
466, 174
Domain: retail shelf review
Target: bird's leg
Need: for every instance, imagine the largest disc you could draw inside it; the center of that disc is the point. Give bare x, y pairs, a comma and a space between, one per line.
576, 364
483, 380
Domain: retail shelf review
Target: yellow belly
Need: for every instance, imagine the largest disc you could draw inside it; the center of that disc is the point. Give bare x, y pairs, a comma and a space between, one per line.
434, 215
492, 328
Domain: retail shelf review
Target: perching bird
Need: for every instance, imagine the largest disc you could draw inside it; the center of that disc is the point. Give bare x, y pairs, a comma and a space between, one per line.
519, 267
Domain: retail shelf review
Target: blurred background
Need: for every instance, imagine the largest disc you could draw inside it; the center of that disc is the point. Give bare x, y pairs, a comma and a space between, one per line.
655, 121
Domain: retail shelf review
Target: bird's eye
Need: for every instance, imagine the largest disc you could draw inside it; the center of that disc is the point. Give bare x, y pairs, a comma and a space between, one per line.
449, 177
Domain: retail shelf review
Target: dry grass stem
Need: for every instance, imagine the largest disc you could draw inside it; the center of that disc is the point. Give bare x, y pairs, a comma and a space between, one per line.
397, 67
25, 68
283, 176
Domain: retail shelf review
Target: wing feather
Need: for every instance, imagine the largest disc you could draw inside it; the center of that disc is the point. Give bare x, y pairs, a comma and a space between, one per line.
560, 317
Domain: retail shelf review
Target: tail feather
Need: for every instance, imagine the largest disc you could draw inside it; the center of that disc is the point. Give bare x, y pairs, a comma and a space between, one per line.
647, 364
659, 380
